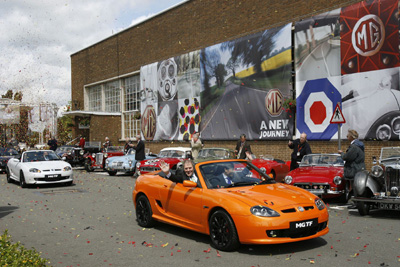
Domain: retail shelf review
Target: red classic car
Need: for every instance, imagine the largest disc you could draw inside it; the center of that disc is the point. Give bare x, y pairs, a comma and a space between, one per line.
321, 174
171, 155
96, 160
276, 168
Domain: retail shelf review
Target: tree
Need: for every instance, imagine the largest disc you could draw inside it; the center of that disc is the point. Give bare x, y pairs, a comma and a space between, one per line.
8, 94
232, 64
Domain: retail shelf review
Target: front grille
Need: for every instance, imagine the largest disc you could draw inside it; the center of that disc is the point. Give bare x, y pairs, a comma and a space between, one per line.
392, 179
54, 179
149, 169
117, 164
99, 158
281, 233
314, 186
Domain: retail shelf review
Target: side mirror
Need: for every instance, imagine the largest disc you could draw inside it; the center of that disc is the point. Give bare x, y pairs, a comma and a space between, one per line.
188, 183
374, 160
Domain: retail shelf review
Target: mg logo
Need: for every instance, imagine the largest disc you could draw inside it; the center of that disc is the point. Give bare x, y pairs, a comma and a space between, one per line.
273, 102
368, 35
149, 122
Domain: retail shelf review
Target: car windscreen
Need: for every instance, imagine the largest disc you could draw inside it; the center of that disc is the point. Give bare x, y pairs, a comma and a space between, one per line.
232, 174
33, 156
321, 160
171, 154
8, 152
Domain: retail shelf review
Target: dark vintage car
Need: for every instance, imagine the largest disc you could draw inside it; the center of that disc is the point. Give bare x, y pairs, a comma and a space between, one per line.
96, 159
74, 155
5, 155
380, 187
321, 174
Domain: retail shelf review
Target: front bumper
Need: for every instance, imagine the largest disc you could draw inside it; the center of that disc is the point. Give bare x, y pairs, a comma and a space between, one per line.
276, 230
39, 178
380, 202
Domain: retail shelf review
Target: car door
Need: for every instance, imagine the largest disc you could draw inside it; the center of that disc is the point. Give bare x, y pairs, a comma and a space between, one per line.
182, 204
13, 165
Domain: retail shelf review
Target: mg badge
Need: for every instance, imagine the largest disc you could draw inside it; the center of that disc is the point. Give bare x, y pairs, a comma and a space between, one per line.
273, 102
368, 35
301, 209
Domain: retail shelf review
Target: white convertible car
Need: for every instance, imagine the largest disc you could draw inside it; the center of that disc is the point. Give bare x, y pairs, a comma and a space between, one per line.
39, 167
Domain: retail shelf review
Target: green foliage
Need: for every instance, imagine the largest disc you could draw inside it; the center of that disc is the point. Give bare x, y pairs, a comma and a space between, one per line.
17, 255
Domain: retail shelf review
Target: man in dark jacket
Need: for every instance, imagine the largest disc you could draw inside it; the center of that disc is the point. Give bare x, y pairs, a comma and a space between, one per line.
188, 172
52, 143
354, 158
300, 148
140, 153
242, 149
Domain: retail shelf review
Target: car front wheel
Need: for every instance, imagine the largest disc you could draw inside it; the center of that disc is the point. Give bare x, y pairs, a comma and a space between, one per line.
143, 212
9, 180
363, 208
88, 165
112, 173
223, 231
22, 181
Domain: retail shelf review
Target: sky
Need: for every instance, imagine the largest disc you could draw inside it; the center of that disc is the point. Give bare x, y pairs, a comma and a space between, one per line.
38, 37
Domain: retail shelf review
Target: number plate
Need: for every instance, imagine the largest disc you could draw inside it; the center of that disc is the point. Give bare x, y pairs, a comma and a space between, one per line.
52, 176
389, 206
301, 225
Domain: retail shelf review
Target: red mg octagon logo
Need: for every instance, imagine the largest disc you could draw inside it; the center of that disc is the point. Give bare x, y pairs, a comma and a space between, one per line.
368, 35
273, 102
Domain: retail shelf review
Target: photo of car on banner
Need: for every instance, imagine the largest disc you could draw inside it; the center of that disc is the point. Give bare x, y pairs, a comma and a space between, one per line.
39, 167
252, 209
320, 174
380, 187
362, 74
170, 155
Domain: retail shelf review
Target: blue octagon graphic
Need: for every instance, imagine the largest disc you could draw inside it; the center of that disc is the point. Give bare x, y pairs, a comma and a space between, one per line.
315, 86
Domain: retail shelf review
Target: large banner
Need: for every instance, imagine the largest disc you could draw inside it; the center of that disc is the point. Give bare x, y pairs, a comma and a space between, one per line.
41, 117
170, 98
244, 83
349, 56
9, 113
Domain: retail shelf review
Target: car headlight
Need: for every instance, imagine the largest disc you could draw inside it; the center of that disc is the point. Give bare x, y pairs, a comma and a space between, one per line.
377, 171
288, 179
138, 165
81, 152
107, 161
263, 211
94, 155
337, 180
319, 203
67, 168
105, 155
130, 162
263, 169
34, 170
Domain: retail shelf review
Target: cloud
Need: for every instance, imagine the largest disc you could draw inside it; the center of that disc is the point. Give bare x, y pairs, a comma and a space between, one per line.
39, 36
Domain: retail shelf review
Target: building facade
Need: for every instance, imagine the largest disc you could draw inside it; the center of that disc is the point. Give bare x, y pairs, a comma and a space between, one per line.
106, 85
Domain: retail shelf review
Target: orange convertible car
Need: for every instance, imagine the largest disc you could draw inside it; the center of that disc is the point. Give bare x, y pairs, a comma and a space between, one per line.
233, 202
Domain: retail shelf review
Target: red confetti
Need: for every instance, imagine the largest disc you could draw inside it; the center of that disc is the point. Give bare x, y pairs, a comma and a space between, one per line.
90, 253
208, 250
172, 254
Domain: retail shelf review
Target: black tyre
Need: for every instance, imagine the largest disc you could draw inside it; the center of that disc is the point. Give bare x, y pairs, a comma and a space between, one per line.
223, 231
88, 165
143, 212
112, 173
9, 180
22, 181
69, 183
363, 208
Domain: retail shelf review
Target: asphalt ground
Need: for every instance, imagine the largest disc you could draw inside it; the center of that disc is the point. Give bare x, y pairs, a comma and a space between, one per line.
93, 223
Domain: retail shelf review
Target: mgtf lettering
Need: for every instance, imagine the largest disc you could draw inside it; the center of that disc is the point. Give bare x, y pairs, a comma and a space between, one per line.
303, 224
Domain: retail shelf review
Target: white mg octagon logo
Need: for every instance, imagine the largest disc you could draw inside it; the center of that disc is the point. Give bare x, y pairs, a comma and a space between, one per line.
368, 35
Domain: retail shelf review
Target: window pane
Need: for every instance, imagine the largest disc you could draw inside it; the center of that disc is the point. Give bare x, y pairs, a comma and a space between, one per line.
132, 93
95, 98
112, 97
131, 125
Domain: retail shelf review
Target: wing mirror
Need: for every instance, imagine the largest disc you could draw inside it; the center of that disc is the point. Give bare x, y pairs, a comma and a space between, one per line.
188, 183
